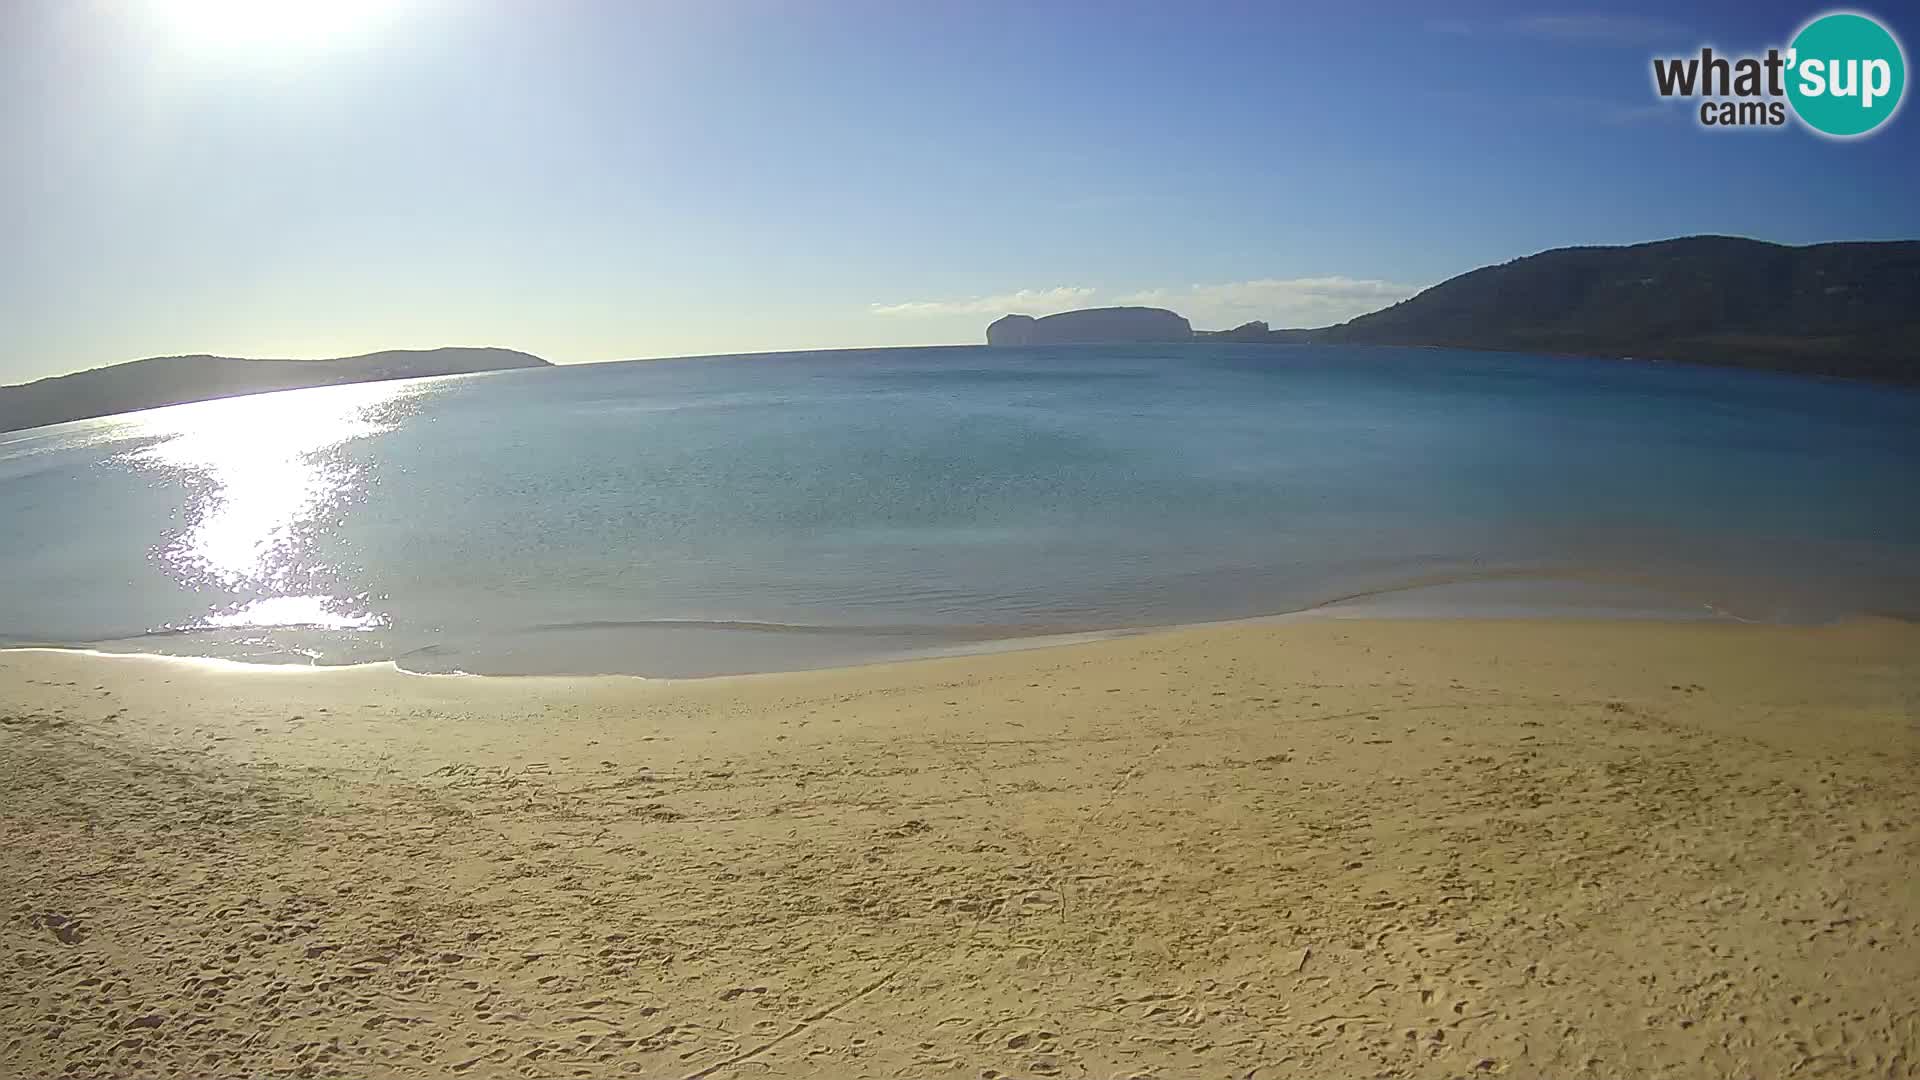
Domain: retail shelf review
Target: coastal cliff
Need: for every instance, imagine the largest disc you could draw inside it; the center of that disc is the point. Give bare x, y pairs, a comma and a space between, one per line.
1844, 309
1090, 326
1847, 309
176, 380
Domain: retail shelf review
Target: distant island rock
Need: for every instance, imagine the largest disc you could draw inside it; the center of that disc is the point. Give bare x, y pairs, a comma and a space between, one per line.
176, 380
1091, 326
1257, 331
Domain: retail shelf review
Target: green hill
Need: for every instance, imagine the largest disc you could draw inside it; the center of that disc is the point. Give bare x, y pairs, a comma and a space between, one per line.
174, 380
1849, 309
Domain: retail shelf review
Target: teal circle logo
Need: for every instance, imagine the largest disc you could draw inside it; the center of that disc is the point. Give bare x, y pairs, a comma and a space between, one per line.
1845, 74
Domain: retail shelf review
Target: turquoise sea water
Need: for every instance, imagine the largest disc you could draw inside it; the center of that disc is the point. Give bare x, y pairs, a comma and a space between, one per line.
735, 514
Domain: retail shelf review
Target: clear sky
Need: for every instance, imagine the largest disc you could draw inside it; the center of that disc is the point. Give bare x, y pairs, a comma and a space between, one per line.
602, 180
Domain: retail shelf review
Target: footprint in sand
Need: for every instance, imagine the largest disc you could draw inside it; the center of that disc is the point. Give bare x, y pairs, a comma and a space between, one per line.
65, 927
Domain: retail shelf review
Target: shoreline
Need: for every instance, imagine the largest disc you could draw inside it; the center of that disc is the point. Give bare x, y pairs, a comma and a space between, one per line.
1392, 603
1897, 383
1337, 847
966, 645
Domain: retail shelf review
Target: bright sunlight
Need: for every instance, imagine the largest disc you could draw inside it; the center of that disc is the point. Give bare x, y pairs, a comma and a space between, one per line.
278, 24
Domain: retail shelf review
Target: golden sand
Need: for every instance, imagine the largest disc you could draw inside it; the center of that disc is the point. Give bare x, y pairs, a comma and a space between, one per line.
1329, 849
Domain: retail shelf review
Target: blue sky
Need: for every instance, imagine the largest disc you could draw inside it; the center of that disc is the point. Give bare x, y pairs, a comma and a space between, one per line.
602, 180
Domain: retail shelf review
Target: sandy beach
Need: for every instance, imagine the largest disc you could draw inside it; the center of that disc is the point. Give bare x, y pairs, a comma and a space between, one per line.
1322, 849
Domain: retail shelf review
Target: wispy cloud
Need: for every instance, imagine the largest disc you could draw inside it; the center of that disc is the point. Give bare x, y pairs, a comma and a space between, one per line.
1610, 29
1659, 112
1595, 28
1557, 108
1601, 110
1307, 301
1023, 302
1281, 302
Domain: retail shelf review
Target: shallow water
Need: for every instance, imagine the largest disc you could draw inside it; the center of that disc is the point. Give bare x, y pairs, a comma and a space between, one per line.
702, 516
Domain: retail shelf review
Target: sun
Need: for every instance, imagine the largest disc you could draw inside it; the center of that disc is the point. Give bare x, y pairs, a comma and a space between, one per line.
268, 23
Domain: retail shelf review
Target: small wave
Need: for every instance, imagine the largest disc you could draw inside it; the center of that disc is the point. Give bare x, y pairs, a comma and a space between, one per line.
869, 630
1440, 579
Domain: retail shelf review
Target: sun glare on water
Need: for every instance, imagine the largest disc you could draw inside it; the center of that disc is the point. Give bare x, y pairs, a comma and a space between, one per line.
265, 478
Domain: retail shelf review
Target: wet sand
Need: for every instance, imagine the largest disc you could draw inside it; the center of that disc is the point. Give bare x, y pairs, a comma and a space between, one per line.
1352, 848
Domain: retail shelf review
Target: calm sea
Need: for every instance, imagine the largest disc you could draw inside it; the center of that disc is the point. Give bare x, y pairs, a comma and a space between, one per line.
758, 513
